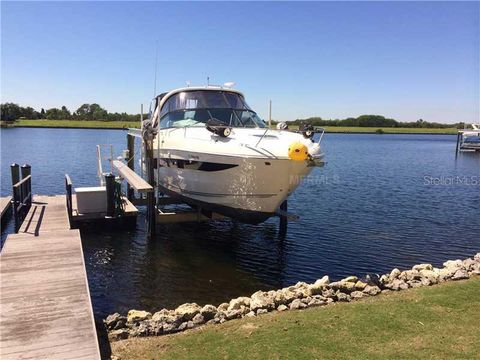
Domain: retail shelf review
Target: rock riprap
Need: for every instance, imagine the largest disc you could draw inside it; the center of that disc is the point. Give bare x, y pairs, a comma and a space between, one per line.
299, 296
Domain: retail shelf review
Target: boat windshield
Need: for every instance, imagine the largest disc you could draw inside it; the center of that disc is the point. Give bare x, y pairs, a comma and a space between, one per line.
195, 108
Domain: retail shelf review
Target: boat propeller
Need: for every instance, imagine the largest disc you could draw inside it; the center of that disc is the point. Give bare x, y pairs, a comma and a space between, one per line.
218, 127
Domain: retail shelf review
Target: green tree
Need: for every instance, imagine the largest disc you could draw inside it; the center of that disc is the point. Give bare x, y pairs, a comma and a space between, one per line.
65, 113
97, 112
53, 114
91, 112
83, 112
10, 111
29, 113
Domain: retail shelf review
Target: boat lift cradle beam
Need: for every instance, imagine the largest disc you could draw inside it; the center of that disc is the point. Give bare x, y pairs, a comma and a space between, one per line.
132, 177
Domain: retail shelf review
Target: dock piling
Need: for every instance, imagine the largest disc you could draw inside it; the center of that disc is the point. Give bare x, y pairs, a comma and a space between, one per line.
68, 190
151, 210
22, 193
458, 142
26, 170
110, 187
15, 170
130, 163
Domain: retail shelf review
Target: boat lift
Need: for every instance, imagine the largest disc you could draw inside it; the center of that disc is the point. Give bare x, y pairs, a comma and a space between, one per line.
154, 200
151, 197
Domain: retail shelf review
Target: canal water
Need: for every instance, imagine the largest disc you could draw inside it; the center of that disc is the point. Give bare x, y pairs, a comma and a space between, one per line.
382, 201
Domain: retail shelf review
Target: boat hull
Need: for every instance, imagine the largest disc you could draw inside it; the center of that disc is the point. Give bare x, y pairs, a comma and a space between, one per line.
242, 215
246, 189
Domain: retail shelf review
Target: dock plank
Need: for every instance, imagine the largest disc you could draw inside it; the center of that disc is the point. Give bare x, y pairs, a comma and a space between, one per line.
46, 311
4, 205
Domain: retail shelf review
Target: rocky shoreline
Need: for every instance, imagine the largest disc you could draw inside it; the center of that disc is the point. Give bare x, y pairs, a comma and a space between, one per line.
302, 295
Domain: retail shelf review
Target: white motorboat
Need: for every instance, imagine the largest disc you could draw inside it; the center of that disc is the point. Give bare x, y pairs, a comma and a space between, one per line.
469, 139
212, 151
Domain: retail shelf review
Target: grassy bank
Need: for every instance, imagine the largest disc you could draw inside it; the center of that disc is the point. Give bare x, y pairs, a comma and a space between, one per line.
135, 124
78, 124
439, 322
386, 130
341, 129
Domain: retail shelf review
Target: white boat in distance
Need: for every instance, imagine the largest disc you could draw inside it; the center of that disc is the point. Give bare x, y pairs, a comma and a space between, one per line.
212, 151
470, 139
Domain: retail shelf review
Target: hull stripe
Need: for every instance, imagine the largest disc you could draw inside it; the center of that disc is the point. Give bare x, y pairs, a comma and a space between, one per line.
180, 191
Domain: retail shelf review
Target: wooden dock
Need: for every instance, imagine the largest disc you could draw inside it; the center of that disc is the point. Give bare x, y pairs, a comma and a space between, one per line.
46, 312
130, 211
4, 205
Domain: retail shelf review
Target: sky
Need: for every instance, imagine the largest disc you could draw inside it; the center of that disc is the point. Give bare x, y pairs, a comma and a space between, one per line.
407, 61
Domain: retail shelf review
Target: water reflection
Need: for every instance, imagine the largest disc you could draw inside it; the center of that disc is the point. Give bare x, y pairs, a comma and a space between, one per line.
205, 263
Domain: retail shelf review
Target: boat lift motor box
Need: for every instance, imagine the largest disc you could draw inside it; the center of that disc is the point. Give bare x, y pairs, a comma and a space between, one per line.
91, 199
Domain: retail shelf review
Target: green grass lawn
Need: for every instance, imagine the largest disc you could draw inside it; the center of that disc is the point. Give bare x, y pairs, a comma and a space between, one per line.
438, 322
79, 124
386, 130
136, 124
341, 129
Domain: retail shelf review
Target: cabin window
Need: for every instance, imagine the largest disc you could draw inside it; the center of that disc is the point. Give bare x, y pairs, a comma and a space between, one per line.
195, 108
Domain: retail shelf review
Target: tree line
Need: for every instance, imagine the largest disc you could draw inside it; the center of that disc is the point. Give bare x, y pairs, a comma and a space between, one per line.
12, 112
375, 121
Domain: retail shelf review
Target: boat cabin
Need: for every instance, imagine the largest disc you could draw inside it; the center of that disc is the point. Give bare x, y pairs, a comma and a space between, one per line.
189, 107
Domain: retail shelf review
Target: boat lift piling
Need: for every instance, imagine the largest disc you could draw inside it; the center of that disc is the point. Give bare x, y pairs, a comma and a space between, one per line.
110, 189
459, 134
130, 162
151, 217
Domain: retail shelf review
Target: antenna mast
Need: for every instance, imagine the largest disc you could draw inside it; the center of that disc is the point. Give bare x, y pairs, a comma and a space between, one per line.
156, 65
270, 115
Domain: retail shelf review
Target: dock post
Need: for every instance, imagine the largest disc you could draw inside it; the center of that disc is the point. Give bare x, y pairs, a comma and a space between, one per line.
26, 170
15, 169
151, 210
151, 196
130, 162
458, 142
68, 190
110, 187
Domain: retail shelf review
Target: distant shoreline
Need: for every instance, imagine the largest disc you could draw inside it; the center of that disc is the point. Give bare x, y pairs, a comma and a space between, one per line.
124, 125
68, 127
